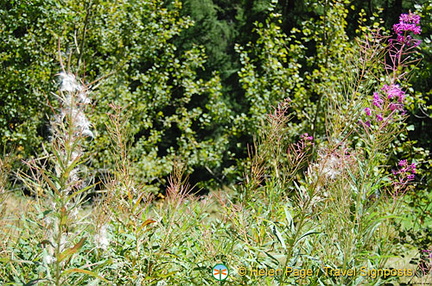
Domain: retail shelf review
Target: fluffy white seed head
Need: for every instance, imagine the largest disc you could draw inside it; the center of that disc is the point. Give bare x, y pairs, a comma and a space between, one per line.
69, 83
101, 238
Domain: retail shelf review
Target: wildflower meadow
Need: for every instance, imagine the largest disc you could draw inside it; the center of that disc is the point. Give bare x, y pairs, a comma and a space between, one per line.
293, 154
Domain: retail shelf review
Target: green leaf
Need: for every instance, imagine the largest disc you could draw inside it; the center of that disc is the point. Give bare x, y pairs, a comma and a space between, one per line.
72, 250
306, 234
278, 235
78, 270
290, 220
50, 183
74, 194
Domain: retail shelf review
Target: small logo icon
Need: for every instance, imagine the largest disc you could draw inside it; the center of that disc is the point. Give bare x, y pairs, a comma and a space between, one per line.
220, 272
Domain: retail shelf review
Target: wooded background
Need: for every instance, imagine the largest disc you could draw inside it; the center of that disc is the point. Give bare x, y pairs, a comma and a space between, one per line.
195, 78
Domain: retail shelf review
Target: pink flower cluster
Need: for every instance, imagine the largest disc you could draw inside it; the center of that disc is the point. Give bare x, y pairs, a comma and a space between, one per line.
394, 91
407, 23
402, 177
377, 100
393, 95
406, 172
306, 137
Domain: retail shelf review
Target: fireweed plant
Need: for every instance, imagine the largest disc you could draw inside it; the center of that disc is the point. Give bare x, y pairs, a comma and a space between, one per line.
325, 202
386, 111
381, 120
57, 181
339, 211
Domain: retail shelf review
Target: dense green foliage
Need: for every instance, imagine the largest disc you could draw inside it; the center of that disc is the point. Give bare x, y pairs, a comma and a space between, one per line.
194, 79
170, 111
312, 115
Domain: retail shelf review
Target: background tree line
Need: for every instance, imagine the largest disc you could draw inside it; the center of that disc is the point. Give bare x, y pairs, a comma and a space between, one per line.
194, 78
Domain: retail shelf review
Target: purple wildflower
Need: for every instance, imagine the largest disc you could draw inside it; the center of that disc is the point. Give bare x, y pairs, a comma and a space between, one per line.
410, 18
393, 91
306, 137
377, 100
406, 40
395, 106
403, 176
367, 123
368, 112
379, 117
408, 23
400, 28
407, 170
